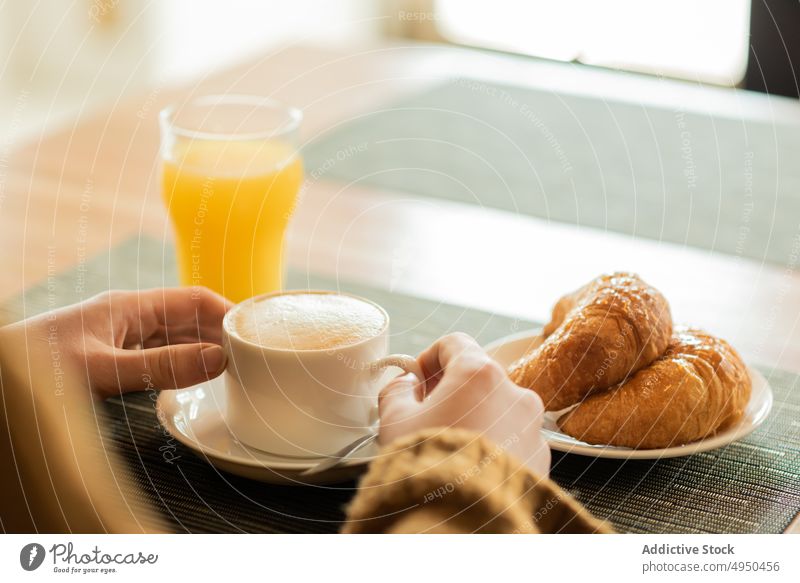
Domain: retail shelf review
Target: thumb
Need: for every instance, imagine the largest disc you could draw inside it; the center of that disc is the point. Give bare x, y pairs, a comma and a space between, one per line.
169, 367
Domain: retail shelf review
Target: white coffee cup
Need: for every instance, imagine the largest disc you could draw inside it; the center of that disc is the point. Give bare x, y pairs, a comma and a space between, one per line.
305, 403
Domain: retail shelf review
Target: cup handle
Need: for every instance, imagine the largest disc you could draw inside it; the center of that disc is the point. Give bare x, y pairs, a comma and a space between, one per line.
403, 361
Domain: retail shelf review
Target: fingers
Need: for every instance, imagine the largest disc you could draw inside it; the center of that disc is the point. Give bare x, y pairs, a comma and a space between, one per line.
167, 367
453, 350
181, 311
172, 315
400, 395
399, 405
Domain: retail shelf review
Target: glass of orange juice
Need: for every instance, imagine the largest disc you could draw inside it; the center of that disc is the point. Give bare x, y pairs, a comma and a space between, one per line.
231, 174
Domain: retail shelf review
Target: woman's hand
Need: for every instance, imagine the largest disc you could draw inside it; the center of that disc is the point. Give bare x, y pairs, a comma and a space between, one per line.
465, 388
122, 341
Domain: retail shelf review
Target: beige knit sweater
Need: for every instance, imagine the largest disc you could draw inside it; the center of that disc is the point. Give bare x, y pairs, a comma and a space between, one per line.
454, 481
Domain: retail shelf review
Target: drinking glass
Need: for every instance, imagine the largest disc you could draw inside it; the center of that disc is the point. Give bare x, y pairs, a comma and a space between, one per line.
231, 174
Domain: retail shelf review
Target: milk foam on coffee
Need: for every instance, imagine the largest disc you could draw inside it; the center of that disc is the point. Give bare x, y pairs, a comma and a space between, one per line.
308, 321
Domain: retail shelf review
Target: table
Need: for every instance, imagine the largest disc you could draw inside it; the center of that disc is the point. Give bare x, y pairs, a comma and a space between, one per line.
76, 192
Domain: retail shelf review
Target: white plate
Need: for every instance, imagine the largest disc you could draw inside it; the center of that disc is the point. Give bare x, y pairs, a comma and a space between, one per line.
196, 417
508, 349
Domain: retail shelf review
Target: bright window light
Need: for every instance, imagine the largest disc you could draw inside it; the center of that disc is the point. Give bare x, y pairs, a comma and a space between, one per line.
700, 40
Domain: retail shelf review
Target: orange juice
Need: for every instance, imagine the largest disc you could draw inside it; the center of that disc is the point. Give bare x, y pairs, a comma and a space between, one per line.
230, 202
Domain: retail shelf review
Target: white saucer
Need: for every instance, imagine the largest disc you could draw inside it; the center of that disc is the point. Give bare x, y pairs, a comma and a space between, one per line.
196, 417
508, 349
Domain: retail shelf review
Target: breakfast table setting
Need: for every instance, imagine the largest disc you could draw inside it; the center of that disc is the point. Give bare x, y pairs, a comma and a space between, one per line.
456, 191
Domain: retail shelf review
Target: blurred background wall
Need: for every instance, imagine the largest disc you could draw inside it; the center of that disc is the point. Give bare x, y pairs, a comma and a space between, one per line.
65, 57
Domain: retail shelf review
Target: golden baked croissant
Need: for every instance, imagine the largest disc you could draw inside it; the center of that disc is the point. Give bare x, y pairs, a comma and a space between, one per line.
699, 387
598, 335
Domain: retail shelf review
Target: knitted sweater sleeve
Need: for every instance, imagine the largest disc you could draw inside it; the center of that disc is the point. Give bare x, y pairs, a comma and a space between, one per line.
453, 481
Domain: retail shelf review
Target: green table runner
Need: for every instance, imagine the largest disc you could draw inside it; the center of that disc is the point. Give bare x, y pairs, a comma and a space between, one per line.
749, 486
726, 185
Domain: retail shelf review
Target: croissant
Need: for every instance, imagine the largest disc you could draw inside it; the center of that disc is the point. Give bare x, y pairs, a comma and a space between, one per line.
699, 387
597, 336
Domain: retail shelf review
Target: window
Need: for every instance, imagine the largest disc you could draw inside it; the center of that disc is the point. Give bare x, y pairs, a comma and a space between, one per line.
700, 40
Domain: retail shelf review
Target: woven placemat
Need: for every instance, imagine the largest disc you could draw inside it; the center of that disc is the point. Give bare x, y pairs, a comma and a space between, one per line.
752, 486
722, 184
